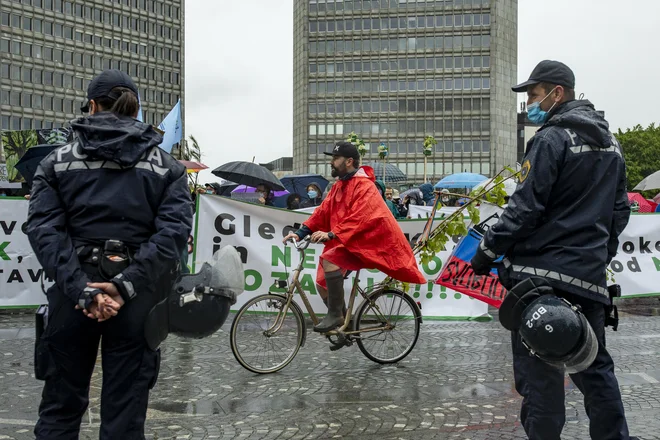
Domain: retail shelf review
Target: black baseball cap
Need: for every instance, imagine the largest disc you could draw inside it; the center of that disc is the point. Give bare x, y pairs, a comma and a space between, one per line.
102, 85
551, 72
344, 149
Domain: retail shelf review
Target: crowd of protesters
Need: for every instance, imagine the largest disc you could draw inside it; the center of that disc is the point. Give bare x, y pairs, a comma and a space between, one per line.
315, 193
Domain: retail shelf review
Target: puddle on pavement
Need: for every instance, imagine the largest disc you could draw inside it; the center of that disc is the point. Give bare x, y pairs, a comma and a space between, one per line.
200, 408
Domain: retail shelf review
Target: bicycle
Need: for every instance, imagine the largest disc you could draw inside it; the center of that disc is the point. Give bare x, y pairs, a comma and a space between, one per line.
269, 330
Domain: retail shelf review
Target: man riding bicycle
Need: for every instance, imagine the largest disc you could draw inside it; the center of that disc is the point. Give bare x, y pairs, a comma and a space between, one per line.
358, 231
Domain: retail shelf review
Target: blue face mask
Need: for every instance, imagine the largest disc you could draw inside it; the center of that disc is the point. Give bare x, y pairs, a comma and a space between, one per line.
312, 194
208, 191
534, 112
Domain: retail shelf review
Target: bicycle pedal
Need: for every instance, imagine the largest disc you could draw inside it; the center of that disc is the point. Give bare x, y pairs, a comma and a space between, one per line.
337, 346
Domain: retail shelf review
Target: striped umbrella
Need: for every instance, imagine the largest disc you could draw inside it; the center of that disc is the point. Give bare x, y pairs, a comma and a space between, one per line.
392, 172
193, 167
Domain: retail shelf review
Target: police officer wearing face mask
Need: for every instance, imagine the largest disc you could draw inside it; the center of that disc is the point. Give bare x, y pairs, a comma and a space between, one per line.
108, 219
562, 225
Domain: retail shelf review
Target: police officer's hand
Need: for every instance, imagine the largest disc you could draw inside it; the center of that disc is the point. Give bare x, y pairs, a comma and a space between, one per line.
481, 263
113, 299
100, 309
291, 236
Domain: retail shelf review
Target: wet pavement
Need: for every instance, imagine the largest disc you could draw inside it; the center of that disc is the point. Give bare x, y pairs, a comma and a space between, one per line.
456, 384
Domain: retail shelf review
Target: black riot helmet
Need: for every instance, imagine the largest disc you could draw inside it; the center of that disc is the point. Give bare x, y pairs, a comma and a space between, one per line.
199, 303
551, 328
558, 333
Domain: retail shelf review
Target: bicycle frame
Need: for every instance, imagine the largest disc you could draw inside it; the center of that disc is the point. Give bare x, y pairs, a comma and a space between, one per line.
295, 286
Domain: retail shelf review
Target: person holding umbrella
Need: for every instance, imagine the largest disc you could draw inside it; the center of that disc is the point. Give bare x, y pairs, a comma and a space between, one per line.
265, 194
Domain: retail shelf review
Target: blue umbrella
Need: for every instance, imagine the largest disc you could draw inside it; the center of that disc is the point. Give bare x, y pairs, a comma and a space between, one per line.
461, 180
28, 164
298, 184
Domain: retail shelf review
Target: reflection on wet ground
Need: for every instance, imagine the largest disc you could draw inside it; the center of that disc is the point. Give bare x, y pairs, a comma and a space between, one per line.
457, 383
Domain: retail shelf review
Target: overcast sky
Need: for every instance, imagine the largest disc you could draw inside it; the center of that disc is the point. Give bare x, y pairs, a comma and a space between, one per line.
239, 67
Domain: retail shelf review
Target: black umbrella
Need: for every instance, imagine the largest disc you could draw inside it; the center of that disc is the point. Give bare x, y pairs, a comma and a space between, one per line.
248, 173
392, 172
298, 184
28, 164
225, 189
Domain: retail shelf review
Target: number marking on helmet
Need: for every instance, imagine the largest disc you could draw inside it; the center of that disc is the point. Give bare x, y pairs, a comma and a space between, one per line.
536, 316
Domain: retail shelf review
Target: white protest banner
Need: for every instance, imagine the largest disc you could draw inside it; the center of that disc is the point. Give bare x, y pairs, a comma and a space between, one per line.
190, 246
20, 272
416, 211
4, 178
223, 221
257, 233
485, 210
636, 266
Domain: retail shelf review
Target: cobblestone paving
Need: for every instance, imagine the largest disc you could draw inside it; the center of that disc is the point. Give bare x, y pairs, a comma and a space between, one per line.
456, 384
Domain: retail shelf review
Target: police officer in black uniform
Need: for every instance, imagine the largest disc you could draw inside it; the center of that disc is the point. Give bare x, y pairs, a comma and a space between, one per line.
109, 217
562, 224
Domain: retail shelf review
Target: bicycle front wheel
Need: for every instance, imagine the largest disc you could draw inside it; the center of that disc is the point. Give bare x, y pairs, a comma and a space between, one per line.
391, 321
258, 343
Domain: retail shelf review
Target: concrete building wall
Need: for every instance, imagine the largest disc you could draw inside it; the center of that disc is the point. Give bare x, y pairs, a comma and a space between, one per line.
504, 58
51, 49
395, 72
300, 81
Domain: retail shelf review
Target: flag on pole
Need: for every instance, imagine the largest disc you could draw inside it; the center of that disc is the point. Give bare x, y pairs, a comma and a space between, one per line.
172, 126
139, 116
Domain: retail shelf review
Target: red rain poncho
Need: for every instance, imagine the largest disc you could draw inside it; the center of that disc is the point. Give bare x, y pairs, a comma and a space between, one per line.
368, 236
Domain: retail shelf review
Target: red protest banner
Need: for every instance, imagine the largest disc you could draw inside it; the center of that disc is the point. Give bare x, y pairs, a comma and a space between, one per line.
459, 276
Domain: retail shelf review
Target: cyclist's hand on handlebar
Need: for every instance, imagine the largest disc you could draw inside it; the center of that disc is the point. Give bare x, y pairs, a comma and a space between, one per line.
320, 237
291, 236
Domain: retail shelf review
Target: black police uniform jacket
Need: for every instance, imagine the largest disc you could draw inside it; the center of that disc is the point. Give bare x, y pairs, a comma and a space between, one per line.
563, 221
111, 182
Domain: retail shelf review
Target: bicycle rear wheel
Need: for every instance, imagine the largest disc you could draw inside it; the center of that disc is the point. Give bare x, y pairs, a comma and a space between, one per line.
254, 347
399, 311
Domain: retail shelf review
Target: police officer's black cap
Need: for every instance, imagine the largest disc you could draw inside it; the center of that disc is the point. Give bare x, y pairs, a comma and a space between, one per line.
101, 86
551, 72
344, 149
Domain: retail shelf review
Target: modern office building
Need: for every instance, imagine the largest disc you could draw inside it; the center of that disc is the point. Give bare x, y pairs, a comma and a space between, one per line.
396, 71
51, 49
280, 167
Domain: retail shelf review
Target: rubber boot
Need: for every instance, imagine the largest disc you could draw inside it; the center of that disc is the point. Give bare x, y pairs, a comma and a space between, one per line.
343, 306
334, 318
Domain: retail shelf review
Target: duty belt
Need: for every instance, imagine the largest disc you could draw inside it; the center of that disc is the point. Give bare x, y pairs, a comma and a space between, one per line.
111, 258
568, 279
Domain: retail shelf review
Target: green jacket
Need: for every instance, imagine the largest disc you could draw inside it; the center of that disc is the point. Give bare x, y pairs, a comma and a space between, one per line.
389, 203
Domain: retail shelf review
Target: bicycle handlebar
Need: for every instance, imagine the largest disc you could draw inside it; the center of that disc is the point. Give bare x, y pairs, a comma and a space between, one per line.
301, 245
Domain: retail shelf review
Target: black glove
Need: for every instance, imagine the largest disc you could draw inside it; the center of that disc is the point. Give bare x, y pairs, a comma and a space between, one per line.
86, 298
481, 263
